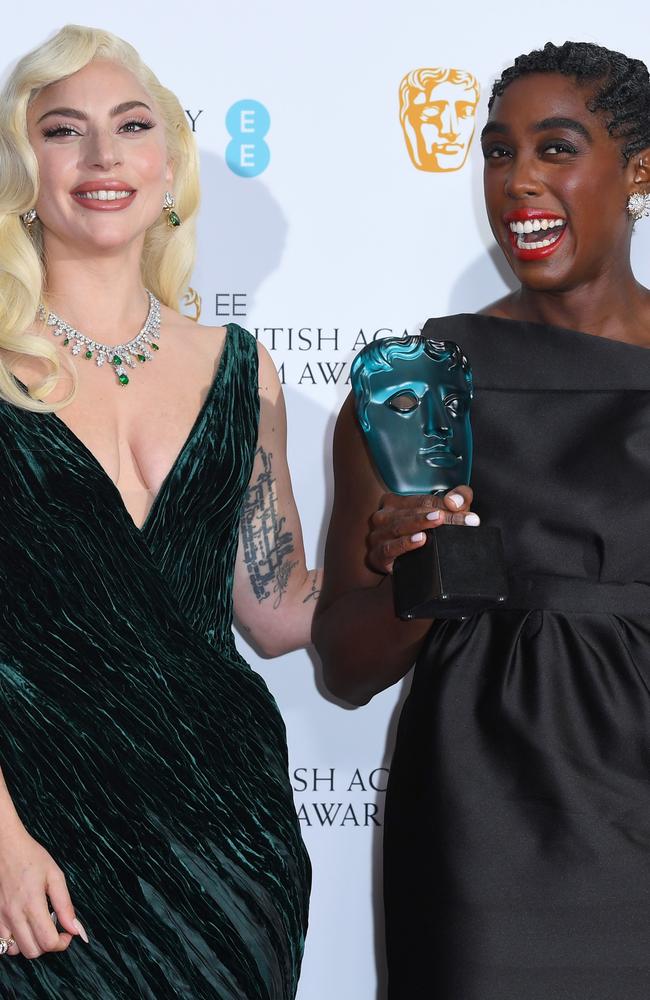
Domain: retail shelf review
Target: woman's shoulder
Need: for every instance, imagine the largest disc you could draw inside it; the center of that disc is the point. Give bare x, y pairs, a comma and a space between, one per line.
213, 339
463, 326
505, 351
229, 352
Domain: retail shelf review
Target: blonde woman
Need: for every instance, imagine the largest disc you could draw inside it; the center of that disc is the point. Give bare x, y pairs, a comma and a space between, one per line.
148, 841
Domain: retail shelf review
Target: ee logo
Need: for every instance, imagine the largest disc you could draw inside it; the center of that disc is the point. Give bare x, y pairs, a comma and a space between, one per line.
247, 154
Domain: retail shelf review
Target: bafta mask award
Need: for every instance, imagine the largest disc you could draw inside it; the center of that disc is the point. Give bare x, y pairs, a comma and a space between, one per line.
412, 398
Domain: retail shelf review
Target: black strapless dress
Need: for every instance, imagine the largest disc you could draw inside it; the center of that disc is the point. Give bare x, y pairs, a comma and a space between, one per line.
517, 840
138, 746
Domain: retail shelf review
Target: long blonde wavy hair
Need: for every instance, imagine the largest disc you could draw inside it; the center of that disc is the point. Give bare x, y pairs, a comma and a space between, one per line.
167, 256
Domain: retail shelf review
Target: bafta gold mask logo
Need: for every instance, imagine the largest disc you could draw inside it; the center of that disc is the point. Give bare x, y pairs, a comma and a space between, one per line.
438, 115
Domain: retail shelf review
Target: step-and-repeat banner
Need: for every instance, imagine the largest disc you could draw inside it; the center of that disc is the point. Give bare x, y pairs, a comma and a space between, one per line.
342, 201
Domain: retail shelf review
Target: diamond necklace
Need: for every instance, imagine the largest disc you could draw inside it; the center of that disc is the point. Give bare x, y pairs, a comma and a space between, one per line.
117, 355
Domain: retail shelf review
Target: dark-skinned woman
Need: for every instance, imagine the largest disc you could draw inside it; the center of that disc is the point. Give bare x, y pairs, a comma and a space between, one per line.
517, 840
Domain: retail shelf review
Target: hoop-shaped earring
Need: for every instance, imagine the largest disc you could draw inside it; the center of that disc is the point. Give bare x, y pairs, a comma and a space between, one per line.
638, 205
173, 219
28, 219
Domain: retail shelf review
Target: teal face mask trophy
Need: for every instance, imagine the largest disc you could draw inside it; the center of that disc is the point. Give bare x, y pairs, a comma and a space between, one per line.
412, 398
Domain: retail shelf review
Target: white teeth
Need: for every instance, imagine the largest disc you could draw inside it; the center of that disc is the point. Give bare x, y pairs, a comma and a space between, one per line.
522, 245
534, 225
103, 195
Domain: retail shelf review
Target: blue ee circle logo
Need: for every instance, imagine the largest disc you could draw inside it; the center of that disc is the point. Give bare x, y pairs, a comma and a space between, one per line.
247, 154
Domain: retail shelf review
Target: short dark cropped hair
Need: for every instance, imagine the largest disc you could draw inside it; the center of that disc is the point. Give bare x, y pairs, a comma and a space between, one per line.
622, 94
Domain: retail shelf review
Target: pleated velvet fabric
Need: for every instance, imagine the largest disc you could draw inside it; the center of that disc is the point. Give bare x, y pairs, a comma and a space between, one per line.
517, 847
138, 746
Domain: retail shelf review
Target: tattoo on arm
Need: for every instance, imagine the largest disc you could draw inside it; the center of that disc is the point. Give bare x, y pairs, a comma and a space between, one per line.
315, 590
267, 547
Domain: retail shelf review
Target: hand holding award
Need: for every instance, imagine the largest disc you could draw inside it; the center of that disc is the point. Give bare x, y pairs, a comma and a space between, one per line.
412, 398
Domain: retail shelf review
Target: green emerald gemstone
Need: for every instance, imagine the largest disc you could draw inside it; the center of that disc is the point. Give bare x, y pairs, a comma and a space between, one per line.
154, 347
124, 379
141, 357
89, 354
173, 218
66, 341
117, 359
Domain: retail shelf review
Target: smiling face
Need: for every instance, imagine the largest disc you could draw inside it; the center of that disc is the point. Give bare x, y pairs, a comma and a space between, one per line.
103, 167
556, 184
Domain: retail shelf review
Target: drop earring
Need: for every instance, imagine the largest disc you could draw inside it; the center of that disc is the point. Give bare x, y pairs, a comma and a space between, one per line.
638, 205
173, 219
28, 219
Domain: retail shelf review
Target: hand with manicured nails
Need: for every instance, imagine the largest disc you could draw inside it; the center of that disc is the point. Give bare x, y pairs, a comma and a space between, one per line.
401, 521
28, 877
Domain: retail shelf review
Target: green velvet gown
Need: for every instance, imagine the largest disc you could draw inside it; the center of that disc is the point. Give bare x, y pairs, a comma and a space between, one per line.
139, 748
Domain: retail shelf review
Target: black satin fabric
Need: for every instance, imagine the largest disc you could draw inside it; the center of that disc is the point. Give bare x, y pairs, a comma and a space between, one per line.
138, 746
517, 839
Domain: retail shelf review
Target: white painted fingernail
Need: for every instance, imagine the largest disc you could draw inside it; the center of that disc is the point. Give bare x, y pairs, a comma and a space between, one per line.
418, 537
433, 515
79, 927
456, 499
472, 520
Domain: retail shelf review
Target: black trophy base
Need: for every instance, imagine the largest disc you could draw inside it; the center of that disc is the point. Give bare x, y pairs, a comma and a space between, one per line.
457, 572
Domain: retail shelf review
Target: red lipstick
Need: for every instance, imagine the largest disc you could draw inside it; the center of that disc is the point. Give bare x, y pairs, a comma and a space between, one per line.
82, 195
521, 214
529, 253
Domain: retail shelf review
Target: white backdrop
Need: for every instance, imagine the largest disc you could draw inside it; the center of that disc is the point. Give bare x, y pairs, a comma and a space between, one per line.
340, 233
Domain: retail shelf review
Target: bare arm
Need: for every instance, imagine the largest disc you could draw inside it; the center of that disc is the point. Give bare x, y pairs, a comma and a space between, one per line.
274, 594
363, 645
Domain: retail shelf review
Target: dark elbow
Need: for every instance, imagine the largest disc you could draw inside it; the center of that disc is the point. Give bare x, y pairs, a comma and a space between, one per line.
353, 696
340, 669
340, 681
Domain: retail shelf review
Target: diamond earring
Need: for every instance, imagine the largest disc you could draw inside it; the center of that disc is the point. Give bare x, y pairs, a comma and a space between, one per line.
28, 219
173, 219
638, 205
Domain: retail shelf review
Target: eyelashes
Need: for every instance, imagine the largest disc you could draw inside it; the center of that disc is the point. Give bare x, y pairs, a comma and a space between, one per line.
131, 126
54, 130
143, 124
496, 151
560, 147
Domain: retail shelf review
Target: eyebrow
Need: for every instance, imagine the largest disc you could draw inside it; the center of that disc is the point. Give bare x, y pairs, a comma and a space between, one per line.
119, 109
569, 123
542, 126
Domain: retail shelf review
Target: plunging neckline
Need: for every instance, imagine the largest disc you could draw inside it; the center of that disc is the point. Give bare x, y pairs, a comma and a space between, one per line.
92, 458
